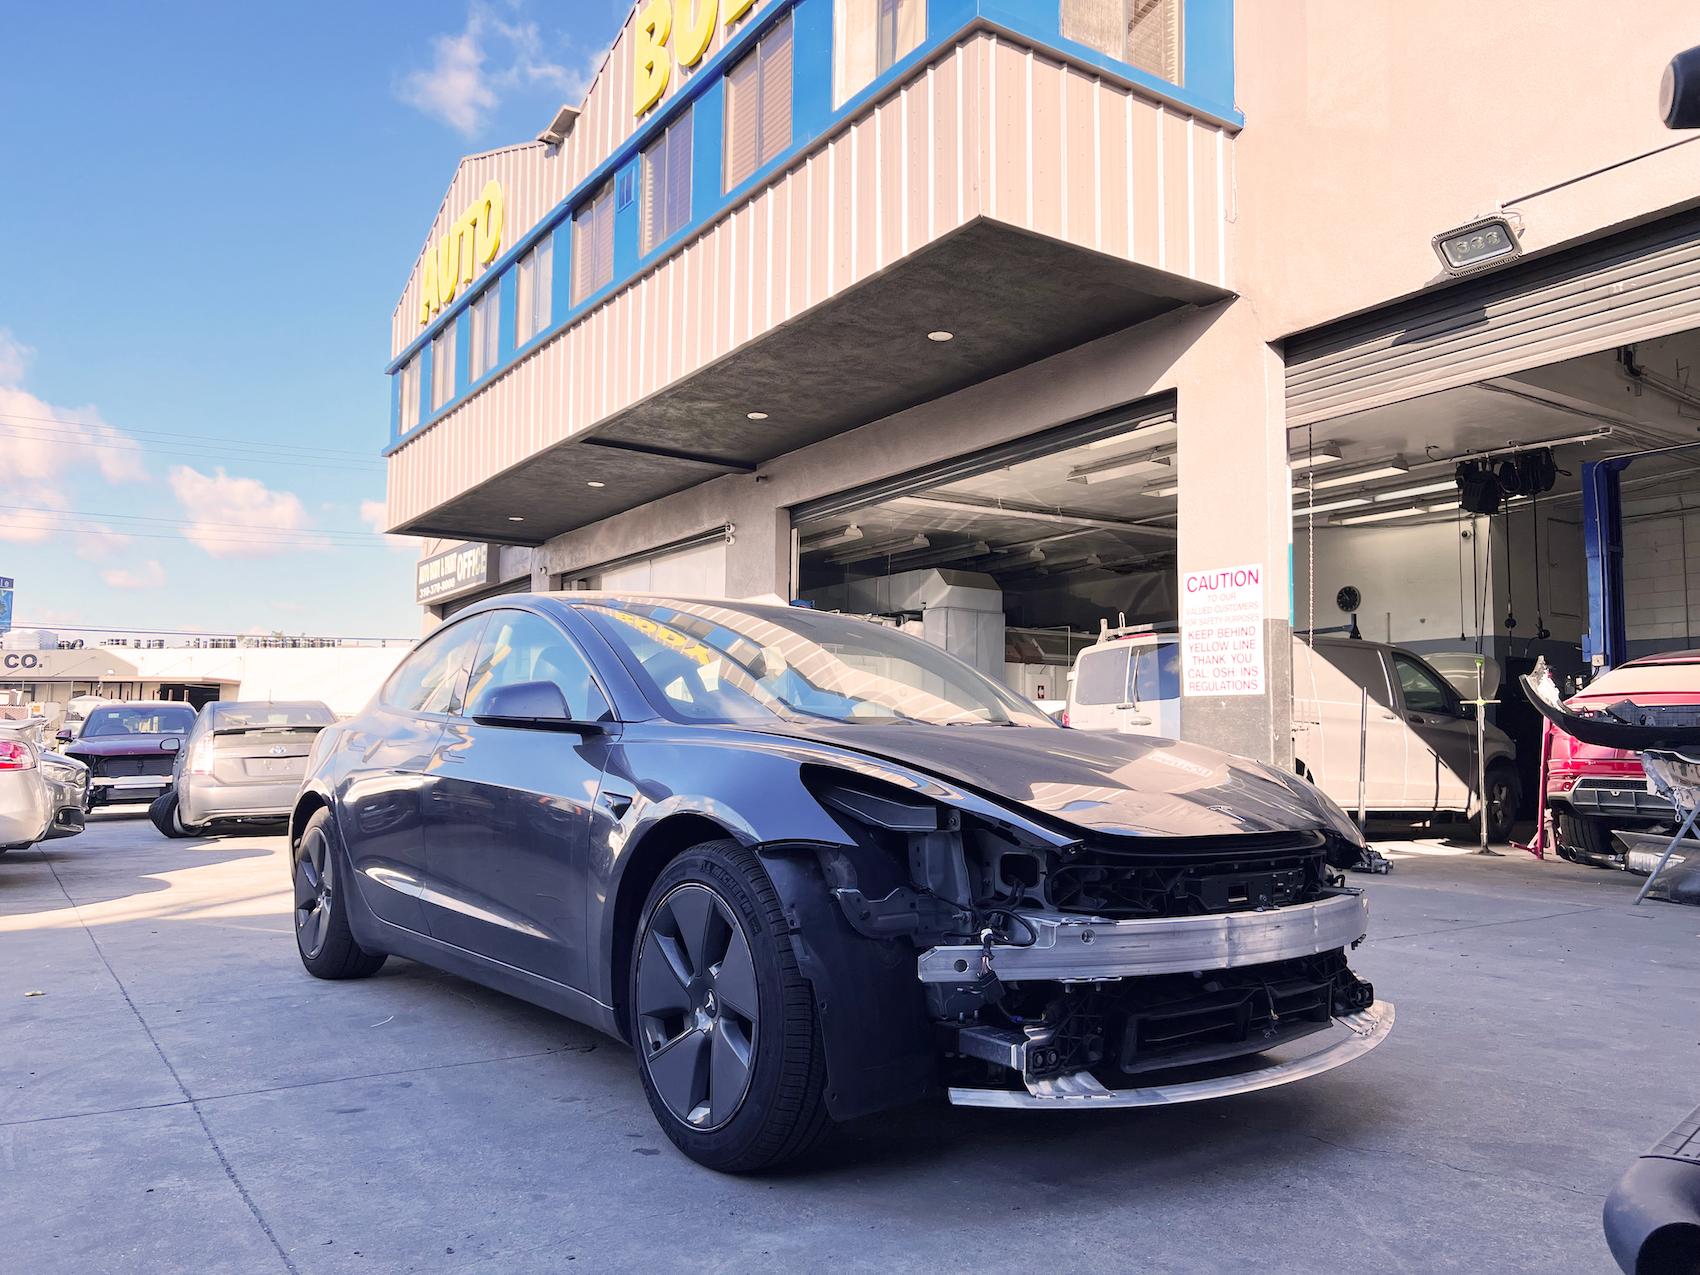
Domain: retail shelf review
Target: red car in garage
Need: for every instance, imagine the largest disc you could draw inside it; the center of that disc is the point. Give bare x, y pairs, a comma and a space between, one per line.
1592, 791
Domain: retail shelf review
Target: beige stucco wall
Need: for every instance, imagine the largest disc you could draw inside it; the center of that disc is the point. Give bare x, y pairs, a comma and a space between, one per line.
1372, 126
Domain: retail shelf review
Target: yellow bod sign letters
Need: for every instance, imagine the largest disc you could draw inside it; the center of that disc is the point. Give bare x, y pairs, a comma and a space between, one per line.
472, 241
693, 22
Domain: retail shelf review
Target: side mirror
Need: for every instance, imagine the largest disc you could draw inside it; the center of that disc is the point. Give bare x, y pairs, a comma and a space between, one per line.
170, 744
529, 705
64, 737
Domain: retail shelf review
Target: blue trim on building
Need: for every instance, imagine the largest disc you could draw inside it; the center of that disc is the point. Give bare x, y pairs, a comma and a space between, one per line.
1602, 542
1208, 69
507, 319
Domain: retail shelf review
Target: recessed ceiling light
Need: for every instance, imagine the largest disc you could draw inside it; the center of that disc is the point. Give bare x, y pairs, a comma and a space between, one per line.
1300, 509
756, 416
594, 483
1326, 454
1427, 489
940, 335
515, 518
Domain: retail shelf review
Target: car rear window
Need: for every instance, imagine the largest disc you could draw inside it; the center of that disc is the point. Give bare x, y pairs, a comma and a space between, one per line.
1102, 676
249, 716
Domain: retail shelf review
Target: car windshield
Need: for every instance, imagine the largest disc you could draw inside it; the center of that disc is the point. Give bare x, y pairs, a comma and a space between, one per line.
706, 662
139, 720
236, 716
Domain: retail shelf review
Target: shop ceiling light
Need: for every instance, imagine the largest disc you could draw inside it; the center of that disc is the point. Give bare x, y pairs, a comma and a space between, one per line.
940, 335
594, 483
885, 549
1387, 515
1162, 490
1476, 245
756, 416
1391, 469
1327, 454
1144, 432
1405, 493
1300, 509
832, 539
1113, 467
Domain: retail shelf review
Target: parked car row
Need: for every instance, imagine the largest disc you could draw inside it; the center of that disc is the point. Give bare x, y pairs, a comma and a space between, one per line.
42, 794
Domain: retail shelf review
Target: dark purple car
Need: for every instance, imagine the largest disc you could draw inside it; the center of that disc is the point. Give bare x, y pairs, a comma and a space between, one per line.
129, 749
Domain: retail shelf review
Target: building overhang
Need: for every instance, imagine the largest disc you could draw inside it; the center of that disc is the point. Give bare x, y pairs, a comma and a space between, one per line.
1007, 296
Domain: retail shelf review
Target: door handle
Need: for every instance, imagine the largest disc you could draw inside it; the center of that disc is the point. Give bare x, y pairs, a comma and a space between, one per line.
1126, 707
1388, 716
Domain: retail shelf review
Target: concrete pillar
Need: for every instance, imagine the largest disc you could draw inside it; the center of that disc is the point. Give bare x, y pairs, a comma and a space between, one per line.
1235, 510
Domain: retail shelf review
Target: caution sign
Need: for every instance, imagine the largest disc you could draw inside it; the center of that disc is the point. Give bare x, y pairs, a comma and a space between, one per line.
1222, 631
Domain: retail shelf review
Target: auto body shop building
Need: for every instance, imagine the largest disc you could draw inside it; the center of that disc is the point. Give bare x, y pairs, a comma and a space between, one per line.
999, 317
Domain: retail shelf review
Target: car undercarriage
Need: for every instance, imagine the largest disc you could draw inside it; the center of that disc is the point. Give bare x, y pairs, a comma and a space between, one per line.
1109, 970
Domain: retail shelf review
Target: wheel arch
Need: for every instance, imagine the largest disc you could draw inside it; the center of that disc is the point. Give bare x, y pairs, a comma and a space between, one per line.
309, 803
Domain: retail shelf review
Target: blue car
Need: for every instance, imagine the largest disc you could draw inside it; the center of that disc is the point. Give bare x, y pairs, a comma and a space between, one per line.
812, 868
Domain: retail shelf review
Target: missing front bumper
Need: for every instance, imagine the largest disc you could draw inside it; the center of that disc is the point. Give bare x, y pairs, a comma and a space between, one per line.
1067, 946
1367, 1029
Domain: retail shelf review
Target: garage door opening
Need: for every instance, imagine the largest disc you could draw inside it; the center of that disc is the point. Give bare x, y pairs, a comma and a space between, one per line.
1014, 557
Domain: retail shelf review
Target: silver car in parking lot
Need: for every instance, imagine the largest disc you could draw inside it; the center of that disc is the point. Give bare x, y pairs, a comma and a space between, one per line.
241, 763
41, 793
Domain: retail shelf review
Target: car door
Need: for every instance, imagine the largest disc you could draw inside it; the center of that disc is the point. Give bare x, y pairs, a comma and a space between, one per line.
1100, 687
1155, 677
1441, 753
389, 752
508, 815
1342, 672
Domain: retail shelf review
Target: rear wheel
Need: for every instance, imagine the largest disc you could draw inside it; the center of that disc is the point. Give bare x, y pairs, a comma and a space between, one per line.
168, 818
1582, 838
1503, 794
322, 936
722, 1021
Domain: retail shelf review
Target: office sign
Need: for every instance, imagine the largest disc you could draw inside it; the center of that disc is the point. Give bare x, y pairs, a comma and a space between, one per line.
1222, 631
452, 573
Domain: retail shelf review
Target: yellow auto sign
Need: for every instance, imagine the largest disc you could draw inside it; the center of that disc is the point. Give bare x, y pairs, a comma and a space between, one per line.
473, 240
692, 22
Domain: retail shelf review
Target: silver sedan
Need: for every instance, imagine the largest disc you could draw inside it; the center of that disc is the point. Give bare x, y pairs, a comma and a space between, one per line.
41, 793
241, 763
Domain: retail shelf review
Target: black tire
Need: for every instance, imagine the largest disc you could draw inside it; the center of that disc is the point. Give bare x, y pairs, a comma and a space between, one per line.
163, 811
1582, 838
720, 1028
322, 936
1504, 794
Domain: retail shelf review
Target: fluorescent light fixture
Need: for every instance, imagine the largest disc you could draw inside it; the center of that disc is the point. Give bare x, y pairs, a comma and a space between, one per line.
1112, 467
885, 549
1162, 490
1143, 432
832, 539
1327, 454
1387, 515
1391, 469
940, 335
1404, 493
1323, 507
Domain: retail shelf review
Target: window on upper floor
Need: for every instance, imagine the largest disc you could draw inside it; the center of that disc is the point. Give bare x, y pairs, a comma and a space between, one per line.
486, 330
758, 104
667, 183
533, 290
408, 391
868, 37
443, 366
1144, 33
593, 243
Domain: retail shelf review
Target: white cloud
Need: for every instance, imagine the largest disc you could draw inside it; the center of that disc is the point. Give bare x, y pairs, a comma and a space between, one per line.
42, 442
375, 516
471, 71
150, 575
97, 542
231, 517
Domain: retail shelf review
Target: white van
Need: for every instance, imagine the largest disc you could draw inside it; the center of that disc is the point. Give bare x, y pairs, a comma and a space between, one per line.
1419, 738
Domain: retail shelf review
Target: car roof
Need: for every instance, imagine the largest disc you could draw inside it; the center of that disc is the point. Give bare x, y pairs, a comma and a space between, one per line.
267, 703
144, 703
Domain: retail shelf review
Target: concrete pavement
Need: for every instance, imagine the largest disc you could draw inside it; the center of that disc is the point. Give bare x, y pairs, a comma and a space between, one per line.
182, 1096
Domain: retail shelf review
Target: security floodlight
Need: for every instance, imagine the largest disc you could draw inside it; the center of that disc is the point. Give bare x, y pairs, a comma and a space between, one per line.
1679, 91
560, 126
1477, 245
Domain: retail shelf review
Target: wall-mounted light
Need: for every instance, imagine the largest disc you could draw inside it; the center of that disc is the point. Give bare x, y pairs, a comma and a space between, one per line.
1479, 244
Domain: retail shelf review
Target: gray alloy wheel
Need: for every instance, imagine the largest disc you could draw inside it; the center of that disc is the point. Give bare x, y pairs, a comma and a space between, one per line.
697, 1008
313, 892
1502, 799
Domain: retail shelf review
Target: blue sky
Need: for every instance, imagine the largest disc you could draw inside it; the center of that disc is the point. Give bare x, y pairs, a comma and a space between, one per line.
210, 211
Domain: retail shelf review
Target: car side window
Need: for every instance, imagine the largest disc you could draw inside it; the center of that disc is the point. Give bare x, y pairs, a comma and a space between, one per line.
1102, 676
1157, 674
429, 680
521, 647
1423, 691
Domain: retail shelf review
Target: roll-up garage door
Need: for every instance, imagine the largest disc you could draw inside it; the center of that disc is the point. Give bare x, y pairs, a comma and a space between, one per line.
694, 568
1631, 287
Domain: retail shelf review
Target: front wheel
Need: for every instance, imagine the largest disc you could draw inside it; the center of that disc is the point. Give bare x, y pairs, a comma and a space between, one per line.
723, 1022
322, 936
